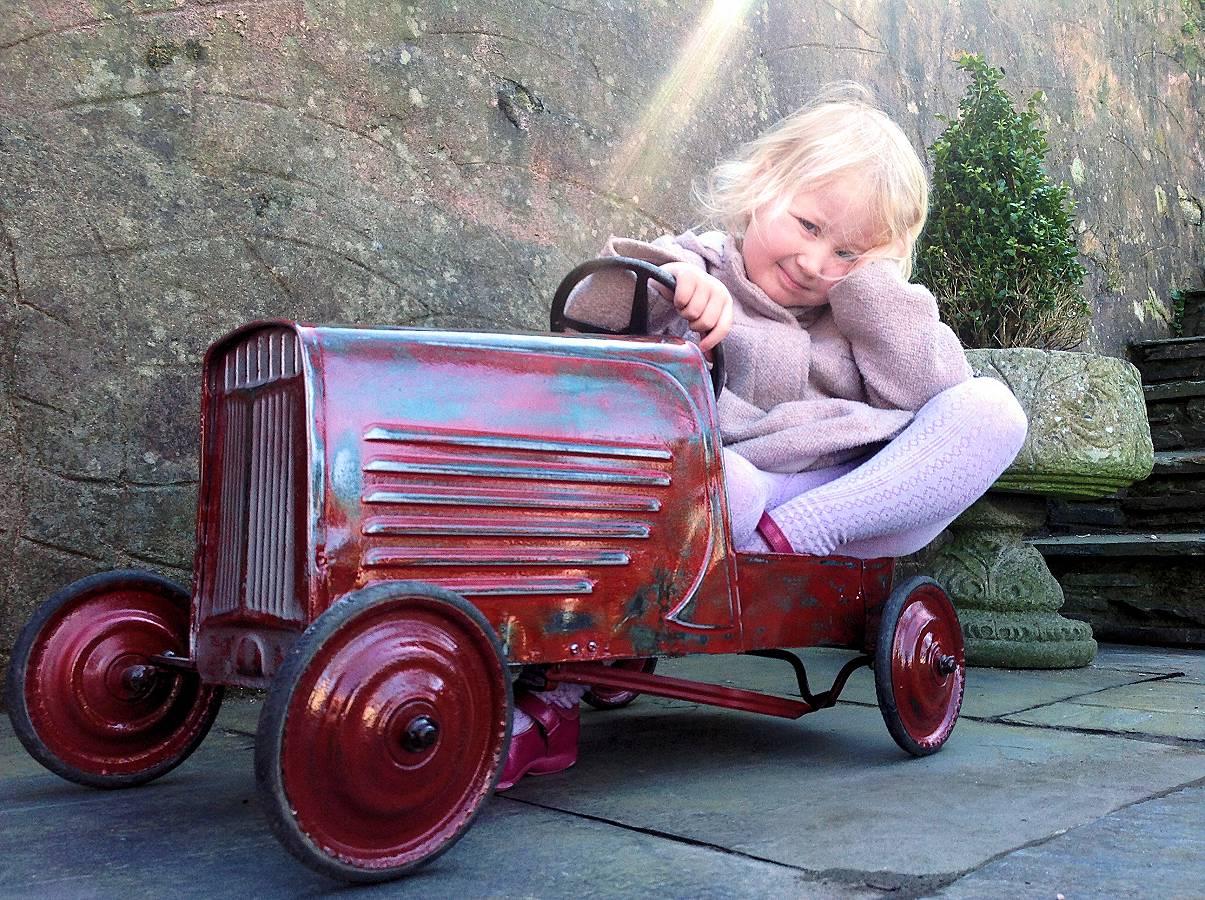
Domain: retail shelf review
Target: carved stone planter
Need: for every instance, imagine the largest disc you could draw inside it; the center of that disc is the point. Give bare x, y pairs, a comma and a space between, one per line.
1088, 437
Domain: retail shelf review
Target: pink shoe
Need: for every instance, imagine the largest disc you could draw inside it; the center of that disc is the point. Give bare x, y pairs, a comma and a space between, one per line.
773, 535
549, 746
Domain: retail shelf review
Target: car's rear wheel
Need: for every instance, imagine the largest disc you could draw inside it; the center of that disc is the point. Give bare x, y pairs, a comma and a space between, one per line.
920, 666
617, 698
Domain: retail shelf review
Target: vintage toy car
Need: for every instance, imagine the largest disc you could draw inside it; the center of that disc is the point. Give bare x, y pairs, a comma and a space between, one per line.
392, 523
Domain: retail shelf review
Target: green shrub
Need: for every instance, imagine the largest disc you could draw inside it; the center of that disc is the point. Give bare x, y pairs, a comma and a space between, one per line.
998, 250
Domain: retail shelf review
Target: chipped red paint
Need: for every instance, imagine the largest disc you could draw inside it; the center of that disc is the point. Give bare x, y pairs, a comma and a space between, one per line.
569, 487
509, 468
790, 600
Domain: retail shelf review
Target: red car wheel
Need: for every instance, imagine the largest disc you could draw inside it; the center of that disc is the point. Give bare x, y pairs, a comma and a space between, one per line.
920, 666
384, 731
84, 694
610, 698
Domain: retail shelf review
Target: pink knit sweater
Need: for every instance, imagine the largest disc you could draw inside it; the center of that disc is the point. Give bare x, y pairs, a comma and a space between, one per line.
807, 388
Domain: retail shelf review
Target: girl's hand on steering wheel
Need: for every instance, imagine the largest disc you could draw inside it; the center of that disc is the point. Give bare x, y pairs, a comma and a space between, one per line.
703, 301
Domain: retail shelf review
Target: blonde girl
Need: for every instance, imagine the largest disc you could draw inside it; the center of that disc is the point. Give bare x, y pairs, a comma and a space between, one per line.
850, 420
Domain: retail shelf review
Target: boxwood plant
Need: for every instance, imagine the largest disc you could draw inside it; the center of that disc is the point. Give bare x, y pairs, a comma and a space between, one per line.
998, 250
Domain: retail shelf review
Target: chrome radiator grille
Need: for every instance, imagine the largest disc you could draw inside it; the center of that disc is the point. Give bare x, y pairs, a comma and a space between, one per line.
259, 407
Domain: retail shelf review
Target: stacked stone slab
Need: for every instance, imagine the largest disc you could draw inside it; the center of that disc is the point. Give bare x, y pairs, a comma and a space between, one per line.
1173, 376
1134, 567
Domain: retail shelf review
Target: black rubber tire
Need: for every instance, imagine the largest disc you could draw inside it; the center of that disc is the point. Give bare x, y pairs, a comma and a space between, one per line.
28, 640
273, 725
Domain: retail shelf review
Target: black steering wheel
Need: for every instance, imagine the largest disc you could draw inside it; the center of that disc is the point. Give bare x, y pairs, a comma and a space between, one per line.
638, 323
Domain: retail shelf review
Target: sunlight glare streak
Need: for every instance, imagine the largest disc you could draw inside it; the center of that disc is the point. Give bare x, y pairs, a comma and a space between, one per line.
646, 148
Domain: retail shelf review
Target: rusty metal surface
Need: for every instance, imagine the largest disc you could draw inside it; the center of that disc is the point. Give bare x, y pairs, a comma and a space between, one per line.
878, 576
569, 487
251, 568
547, 479
793, 600
258, 407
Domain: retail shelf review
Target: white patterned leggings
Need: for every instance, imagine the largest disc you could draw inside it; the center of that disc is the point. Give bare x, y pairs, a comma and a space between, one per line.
899, 499
891, 504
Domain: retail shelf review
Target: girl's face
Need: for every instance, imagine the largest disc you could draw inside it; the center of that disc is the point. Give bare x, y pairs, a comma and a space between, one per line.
797, 254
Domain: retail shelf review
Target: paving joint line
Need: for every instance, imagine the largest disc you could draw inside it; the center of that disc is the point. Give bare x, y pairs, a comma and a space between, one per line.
1038, 842
1139, 737
1153, 678
899, 885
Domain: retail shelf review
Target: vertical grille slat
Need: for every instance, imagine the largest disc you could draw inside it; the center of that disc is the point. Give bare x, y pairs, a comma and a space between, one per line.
254, 530
271, 466
258, 414
278, 579
287, 558
232, 517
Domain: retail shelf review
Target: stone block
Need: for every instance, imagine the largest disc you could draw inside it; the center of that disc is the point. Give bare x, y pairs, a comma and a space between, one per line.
1172, 499
1178, 423
1180, 389
1130, 546
1088, 431
1133, 588
1192, 319
1174, 509
1174, 359
1098, 515
1113, 721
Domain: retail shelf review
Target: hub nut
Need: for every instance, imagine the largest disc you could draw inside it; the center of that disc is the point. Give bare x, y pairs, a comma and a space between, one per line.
421, 733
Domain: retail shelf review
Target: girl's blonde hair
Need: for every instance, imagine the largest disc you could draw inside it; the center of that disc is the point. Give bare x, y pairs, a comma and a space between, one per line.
840, 132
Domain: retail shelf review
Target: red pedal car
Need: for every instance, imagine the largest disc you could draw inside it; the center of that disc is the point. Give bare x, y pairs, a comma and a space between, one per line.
393, 523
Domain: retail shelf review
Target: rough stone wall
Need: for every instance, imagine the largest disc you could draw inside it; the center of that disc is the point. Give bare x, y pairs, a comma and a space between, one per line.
172, 168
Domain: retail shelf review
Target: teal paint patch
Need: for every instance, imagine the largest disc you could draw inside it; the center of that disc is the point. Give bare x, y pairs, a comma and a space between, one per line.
636, 607
645, 640
347, 479
566, 621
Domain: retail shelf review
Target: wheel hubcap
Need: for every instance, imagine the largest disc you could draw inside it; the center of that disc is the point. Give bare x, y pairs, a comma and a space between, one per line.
139, 680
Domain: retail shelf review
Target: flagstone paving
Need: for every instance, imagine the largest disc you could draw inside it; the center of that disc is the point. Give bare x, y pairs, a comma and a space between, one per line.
1087, 782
